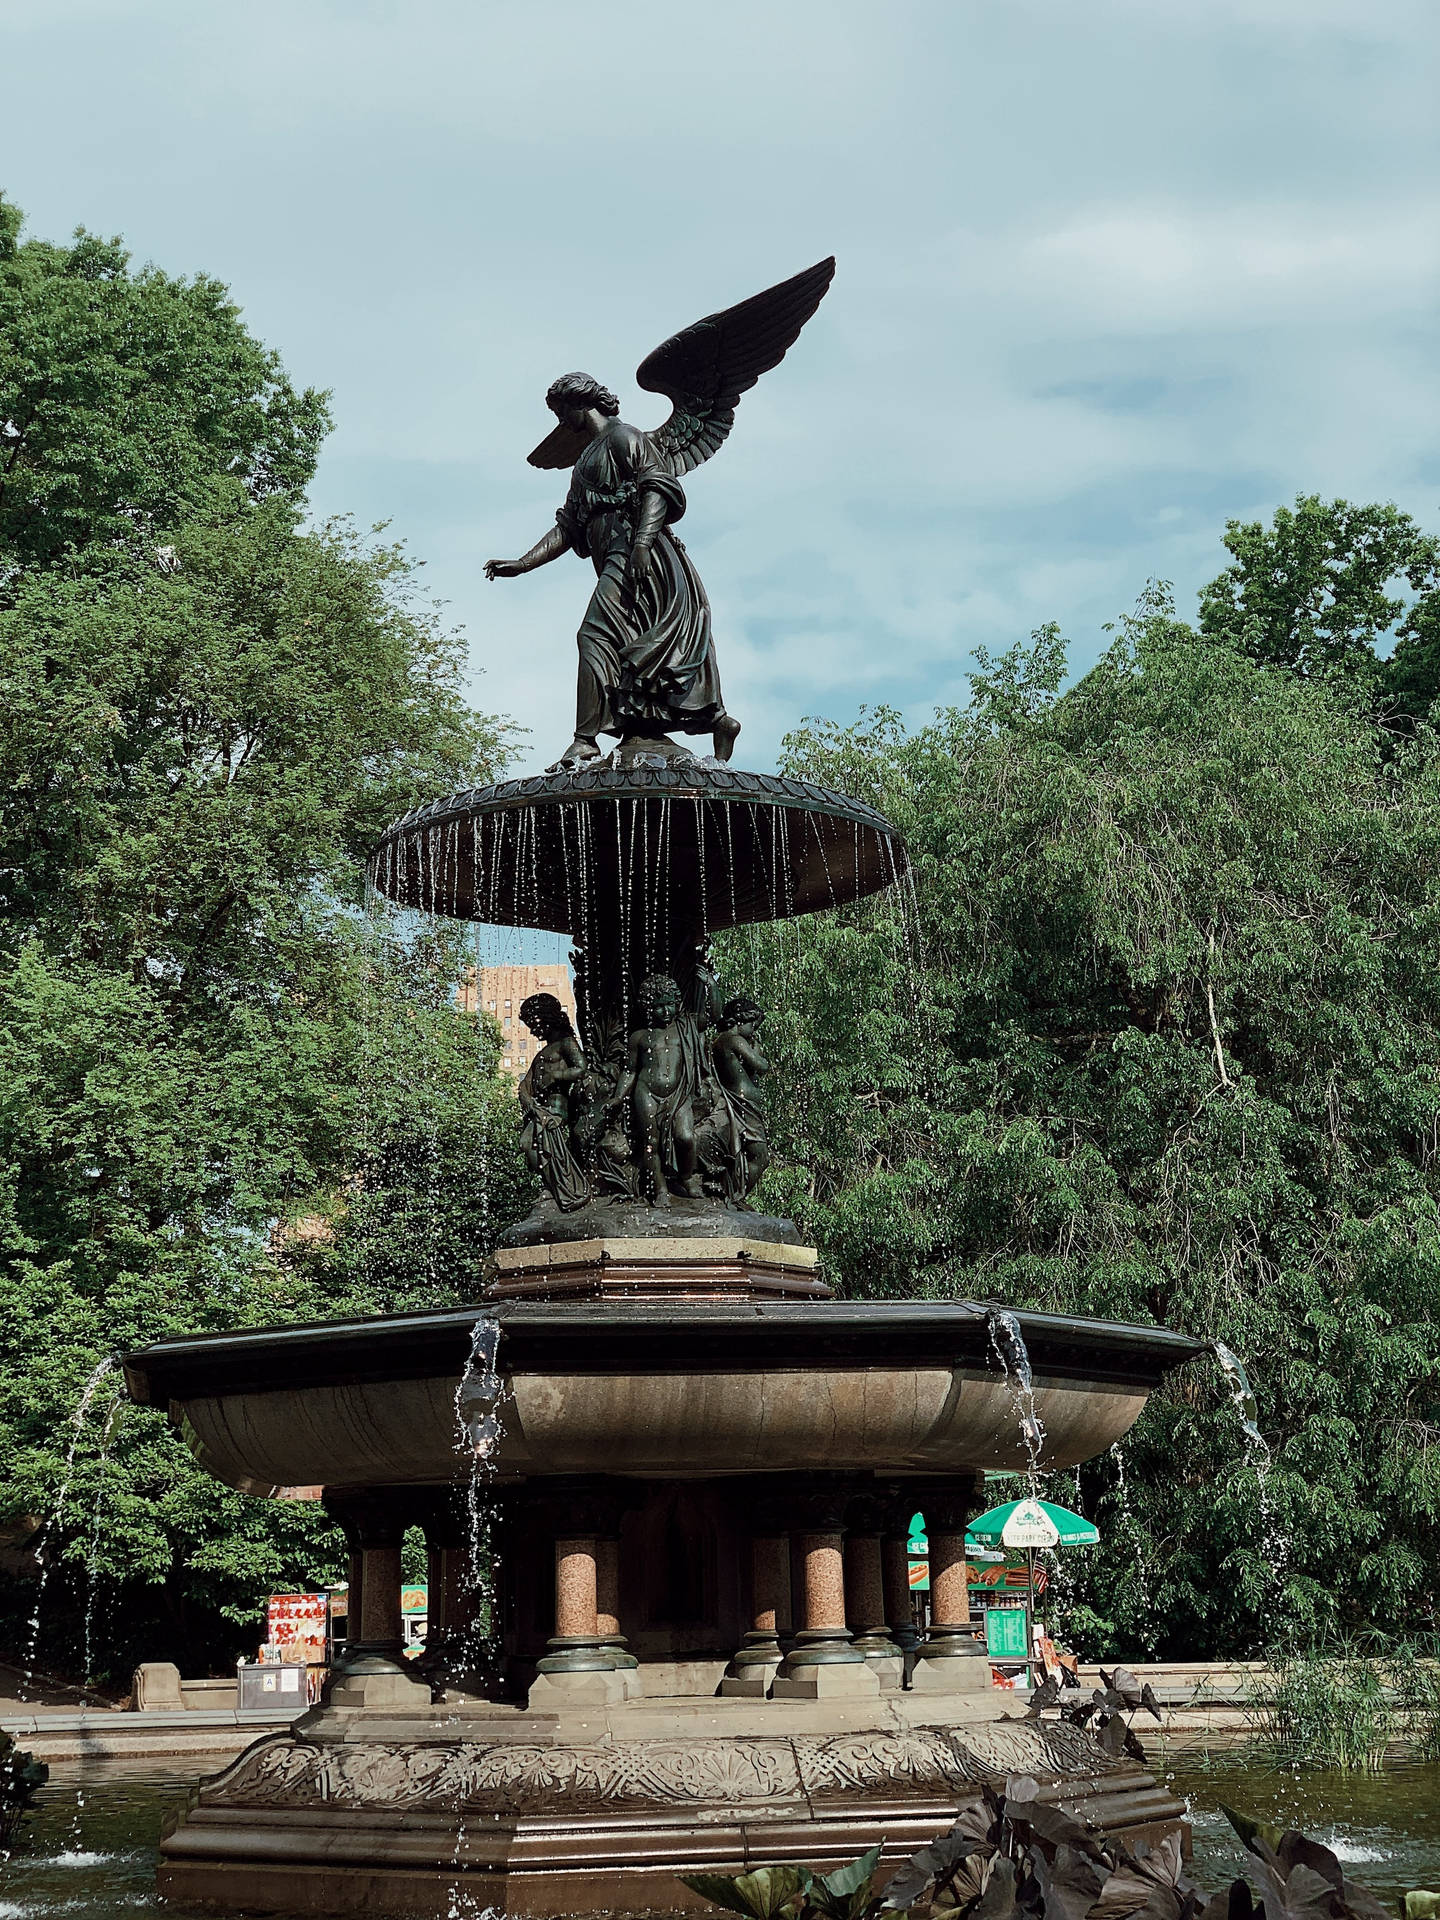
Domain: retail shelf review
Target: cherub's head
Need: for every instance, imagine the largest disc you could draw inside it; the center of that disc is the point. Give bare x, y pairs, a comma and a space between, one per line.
545, 1017
573, 395
741, 1012
659, 999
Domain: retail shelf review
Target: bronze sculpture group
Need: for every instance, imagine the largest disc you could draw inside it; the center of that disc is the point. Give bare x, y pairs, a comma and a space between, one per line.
677, 1118
667, 1107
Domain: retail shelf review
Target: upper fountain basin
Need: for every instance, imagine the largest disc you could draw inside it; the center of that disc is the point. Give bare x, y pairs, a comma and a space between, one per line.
708, 843
679, 1389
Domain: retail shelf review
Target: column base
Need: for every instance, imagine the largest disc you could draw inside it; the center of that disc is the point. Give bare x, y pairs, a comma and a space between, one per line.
597, 1687
580, 1653
754, 1666
950, 1663
857, 1681
374, 1681
823, 1647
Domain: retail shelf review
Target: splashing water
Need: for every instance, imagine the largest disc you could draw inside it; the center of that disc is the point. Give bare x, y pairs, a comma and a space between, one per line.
1007, 1343
479, 1432
1129, 1524
1242, 1395
77, 1423
1258, 1457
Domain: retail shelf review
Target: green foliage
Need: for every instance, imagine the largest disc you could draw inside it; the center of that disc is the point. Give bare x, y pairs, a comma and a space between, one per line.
1321, 591
1350, 1704
1158, 1040
128, 401
218, 1075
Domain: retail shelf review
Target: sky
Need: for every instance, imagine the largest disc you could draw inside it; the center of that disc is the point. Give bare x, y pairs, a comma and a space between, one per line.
1109, 274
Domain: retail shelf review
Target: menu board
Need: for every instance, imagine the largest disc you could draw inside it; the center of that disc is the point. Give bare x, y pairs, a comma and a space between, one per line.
1005, 1633
295, 1627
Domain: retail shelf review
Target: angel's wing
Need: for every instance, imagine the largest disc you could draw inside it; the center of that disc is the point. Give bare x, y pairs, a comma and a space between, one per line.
705, 369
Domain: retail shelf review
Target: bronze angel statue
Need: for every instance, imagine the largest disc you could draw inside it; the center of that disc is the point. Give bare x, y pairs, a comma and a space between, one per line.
647, 655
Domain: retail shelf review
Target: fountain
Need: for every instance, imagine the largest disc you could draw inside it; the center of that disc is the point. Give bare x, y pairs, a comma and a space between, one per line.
688, 1468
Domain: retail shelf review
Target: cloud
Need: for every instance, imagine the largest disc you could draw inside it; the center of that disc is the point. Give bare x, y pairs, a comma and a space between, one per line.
1108, 276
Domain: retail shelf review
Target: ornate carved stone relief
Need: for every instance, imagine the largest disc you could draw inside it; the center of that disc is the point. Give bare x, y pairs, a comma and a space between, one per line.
465, 1778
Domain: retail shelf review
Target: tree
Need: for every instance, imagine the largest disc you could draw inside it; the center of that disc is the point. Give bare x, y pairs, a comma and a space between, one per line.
1321, 590
208, 1050
1172, 1053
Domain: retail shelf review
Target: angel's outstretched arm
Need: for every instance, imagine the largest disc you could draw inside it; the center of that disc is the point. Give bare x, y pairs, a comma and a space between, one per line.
549, 547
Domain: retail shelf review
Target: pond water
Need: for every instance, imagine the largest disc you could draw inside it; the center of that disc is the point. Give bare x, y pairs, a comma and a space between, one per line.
1383, 1828
89, 1848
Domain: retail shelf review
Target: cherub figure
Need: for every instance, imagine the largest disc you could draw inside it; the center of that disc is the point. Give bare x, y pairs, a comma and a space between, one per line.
739, 1063
647, 657
545, 1102
660, 1082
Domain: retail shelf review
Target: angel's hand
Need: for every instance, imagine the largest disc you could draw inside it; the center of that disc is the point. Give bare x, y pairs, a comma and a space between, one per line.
637, 567
502, 569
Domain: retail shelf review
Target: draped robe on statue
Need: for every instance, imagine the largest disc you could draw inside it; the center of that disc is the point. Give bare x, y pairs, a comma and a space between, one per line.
647, 658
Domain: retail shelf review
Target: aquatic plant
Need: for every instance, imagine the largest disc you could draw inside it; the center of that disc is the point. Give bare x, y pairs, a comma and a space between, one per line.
21, 1778
1348, 1703
1015, 1856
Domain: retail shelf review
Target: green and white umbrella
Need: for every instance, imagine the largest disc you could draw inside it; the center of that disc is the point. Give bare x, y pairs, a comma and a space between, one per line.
1031, 1523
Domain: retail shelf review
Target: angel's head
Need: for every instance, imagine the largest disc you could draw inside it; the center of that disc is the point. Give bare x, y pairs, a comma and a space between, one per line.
573, 395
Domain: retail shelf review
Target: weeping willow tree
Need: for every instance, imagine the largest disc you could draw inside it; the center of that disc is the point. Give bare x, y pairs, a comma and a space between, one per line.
1173, 1054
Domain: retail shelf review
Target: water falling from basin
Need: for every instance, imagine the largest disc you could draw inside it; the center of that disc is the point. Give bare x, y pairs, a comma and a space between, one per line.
1007, 1343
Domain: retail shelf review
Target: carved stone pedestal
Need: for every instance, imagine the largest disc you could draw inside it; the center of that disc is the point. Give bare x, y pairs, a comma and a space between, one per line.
598, 1811
659, 1264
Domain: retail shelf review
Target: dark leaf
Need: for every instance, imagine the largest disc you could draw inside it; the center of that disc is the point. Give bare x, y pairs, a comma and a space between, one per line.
1047, 1694
1069, 1884
760, 1894
1295, 1850
1250, 1831
1113, 1734
1236, 1903
997, 1902
1148, 1700
1127, 1685
906, 1885
845, 1892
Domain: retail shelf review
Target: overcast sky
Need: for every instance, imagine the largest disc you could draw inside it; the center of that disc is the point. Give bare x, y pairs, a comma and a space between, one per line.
1110, 272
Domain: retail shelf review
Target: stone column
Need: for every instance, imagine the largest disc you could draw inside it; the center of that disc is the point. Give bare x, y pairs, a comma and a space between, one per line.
578, 1668
823, 1662
755, 1664
607, 1609
374, 1672
949, 1660
453, 1641
895, 1566
865, 1591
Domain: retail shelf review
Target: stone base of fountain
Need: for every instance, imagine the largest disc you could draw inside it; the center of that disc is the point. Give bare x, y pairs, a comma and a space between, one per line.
678, 1219
586, 1811
738, 1267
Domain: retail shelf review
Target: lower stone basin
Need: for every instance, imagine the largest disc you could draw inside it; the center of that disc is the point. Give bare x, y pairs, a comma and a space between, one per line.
683, 1389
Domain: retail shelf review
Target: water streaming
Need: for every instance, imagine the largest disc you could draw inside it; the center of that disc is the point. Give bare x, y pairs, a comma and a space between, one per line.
479, 1431
53, 1518
1007, 1343
1275, 1543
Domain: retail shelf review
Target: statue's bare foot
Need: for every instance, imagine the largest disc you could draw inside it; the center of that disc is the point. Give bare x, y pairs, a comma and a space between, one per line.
726, 733
576, 754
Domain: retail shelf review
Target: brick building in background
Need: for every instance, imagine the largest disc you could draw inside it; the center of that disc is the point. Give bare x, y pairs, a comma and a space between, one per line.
500, 991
